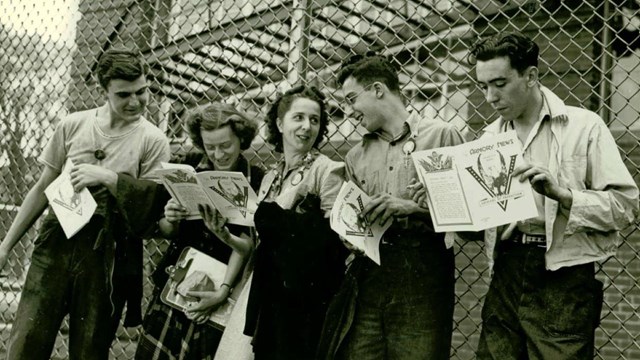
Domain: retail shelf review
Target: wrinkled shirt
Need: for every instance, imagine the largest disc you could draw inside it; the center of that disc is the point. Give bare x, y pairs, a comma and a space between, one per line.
380, 165
583, 157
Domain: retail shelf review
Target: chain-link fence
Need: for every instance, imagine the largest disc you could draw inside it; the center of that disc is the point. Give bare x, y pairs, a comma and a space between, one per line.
244, 51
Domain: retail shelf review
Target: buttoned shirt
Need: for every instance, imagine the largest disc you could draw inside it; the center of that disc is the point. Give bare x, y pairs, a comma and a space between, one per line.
316, 174
583, 157
380, 164
535, 150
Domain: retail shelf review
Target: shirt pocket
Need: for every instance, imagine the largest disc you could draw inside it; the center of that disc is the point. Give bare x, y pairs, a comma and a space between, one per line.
573, 172
371, 182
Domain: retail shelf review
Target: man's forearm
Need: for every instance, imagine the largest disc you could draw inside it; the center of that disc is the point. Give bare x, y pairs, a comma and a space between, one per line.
32, 207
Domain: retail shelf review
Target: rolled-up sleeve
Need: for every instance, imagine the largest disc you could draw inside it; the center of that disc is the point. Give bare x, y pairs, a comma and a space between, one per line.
610, 200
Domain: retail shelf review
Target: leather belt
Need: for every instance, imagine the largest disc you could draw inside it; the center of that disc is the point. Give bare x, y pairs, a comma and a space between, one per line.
526, 239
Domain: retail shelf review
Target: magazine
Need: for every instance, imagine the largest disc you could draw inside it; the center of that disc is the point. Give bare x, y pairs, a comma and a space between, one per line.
344, 220
470, 186
197, 271
73, 209
227, 191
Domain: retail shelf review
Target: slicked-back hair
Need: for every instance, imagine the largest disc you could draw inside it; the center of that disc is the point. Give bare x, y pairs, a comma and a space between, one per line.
119, 64
370, 68
282, 105
217, 115
521, 51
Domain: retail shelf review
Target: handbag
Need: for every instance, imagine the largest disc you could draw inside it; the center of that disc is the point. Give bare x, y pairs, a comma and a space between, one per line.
197, 271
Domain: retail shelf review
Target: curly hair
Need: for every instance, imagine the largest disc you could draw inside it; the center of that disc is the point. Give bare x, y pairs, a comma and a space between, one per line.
282, 105
521, 51
119, 64
215, 116
370, 68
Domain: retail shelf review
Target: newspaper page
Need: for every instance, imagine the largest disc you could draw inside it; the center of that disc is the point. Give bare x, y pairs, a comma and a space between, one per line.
470, 186
344, 220
73, 209
227, 191
232, 195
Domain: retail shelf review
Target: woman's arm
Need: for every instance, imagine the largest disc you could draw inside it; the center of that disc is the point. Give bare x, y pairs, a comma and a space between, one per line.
216, 223
210, 300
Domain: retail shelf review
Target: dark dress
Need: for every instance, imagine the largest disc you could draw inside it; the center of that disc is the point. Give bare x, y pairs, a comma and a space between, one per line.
167, 332
299, 264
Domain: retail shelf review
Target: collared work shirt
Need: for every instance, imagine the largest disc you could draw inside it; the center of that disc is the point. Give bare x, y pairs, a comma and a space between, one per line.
380, 165
535, 150
584, 158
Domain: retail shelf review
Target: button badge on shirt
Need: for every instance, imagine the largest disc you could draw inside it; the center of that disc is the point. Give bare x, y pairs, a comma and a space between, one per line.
407, 149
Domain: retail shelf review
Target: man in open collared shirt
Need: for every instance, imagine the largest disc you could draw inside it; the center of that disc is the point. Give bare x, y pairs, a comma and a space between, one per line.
544, 301
404, 307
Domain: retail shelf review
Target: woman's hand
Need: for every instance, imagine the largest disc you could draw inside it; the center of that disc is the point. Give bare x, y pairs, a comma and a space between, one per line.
174, 212
208, 301
215, 222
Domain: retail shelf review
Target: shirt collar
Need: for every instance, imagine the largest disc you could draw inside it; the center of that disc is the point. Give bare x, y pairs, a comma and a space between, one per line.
543, 115
410, 126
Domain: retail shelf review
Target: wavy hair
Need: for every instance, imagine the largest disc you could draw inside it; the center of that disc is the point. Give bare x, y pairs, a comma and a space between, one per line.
119, 64
521, 51
215, 116
370, 68
282, 105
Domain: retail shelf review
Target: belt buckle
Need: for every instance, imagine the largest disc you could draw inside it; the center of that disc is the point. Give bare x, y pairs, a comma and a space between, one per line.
534, 240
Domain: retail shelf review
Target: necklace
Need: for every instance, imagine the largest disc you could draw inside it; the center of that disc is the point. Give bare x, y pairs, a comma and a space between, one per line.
297, 178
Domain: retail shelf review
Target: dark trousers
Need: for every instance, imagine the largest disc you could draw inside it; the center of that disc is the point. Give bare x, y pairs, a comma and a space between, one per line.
67, 276
532, 313
404, 308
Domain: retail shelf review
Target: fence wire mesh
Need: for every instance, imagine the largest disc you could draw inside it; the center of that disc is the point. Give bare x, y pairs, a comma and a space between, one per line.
244, 51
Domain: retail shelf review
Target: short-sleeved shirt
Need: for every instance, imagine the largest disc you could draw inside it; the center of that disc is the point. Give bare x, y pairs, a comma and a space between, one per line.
317, 172
137, 152
379, 164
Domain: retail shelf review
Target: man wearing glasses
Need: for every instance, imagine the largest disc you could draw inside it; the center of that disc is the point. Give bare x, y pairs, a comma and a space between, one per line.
404, 307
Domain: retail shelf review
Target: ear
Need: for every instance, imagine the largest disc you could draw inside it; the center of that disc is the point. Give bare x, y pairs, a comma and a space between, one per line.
279, 124
379, 89
532, 73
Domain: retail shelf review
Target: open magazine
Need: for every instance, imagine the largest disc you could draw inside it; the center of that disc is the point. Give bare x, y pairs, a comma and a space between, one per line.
73, 209
197, 271
344, 220
471, 187
227, 191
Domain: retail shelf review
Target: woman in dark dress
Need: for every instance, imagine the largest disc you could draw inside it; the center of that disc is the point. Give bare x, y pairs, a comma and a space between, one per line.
221, 133
299, 259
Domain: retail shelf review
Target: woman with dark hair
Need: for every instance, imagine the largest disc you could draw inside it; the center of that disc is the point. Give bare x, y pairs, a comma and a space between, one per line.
299, 261
221, 133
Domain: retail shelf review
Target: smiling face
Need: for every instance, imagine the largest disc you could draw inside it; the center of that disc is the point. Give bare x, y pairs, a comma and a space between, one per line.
127, 99
363, 103
507, 91
300, 126
222, 147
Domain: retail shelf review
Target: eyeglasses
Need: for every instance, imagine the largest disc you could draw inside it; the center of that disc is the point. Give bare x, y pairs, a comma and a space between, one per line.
351, 97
